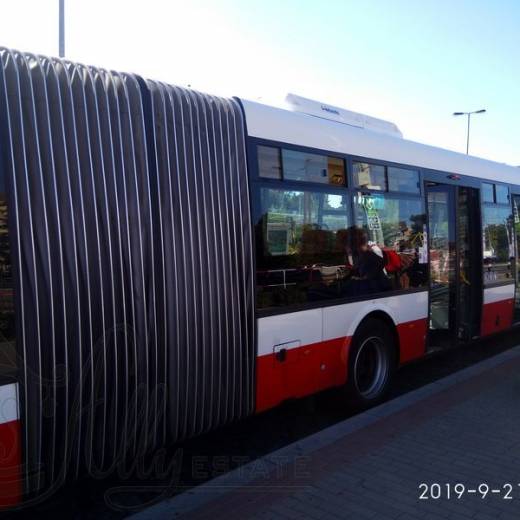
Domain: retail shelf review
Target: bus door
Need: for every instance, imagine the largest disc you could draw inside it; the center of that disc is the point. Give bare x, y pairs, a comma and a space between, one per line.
455, 265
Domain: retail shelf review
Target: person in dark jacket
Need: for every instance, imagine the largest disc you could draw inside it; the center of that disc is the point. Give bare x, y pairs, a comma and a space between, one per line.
366, 264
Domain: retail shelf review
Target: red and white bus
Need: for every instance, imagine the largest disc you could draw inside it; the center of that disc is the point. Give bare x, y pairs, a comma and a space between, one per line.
172, 261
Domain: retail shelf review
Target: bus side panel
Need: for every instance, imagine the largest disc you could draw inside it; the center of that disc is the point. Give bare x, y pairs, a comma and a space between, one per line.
303, 365
498, 308
301, 353
412, 339
10, 447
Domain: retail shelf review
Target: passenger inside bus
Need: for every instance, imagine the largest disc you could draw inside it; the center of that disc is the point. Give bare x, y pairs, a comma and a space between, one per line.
365, 264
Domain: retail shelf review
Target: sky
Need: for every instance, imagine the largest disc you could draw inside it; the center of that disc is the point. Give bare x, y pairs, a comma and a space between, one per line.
412, 62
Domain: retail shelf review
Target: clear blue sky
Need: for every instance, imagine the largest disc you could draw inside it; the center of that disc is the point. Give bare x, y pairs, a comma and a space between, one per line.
412, 62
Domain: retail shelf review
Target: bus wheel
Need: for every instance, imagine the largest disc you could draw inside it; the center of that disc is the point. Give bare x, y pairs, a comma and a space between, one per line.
371, 363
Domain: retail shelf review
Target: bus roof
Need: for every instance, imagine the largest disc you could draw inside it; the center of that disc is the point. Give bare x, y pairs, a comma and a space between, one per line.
298, 128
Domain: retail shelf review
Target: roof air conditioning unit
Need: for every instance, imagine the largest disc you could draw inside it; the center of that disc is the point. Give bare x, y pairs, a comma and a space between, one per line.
340, 115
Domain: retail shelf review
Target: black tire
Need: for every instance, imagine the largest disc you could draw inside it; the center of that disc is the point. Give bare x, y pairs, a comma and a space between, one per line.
371, 363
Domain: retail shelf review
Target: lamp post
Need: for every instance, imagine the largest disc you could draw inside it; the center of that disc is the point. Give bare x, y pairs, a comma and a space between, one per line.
62, 29
469, 118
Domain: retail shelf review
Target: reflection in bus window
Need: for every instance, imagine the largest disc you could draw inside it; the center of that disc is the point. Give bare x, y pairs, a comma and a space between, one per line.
311, 167
488, 192
396, 226
269, 162
442, 255
307, 250
299, 250
369, 176
403, 179
498, 244
501, 194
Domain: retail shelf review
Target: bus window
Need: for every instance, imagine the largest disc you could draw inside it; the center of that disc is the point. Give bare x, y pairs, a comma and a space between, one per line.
488, 192
311, 167
404, 180
369, 176
269, 162
498, 249
396, 226
300, 257
501, 194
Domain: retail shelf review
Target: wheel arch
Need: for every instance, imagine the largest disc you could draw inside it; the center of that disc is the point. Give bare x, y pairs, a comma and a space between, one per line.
385, 317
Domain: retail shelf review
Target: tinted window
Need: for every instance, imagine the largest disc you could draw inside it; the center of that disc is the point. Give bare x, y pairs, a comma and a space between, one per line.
396, 226
401, 179
488, 192
310, 167
369, 176
502, 194
336, 170
269, 163
498, 250
300, 256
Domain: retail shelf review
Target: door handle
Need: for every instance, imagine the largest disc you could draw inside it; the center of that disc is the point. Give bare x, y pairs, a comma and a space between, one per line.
280, 350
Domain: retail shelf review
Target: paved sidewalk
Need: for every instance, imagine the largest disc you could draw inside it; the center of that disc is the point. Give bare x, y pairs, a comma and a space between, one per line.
463, 429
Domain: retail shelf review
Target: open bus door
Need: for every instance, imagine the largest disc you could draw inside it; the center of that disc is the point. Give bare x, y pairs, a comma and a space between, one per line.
455, 265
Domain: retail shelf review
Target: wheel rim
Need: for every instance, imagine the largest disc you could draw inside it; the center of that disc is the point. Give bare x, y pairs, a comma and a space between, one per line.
371, 367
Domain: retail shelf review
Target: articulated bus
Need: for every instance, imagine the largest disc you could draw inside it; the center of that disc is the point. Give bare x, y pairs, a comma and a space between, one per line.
172, 261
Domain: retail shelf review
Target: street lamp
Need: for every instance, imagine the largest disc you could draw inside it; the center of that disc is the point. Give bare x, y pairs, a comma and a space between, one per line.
62, 29
469, 117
